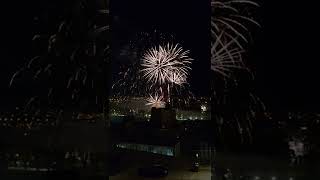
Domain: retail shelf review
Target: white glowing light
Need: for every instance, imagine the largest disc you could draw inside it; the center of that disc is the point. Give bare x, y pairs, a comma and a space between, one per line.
177, 78
156, 101
166, 64
204, 108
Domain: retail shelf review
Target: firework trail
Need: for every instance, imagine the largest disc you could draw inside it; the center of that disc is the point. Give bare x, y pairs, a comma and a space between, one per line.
243, 121
129, 81
232, 17
65, 67
226, 56
230, 24
229, 31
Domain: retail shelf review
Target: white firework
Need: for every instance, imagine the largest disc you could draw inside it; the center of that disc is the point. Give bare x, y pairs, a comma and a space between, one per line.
166, 64
156, 101
177, 78
231, 16
226, 56
229, 31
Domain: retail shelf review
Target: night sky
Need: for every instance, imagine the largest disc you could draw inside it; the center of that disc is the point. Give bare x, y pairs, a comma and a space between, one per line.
286, 58
284, 53
21, 20
187, 21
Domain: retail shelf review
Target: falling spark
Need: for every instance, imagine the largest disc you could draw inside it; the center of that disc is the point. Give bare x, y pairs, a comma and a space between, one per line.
230, 29
15, 75
69, 69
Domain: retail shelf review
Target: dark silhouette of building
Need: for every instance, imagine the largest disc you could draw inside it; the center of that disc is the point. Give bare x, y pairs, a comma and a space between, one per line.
164, 118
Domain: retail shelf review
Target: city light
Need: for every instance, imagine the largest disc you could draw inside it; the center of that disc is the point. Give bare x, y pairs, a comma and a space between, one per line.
204, 108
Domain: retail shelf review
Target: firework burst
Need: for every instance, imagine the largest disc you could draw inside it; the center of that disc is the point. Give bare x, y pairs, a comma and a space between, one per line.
153, 64
166, 64
156, 101
166, 67
232, 17
130, 81
226, 56
229, 29
178, 78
